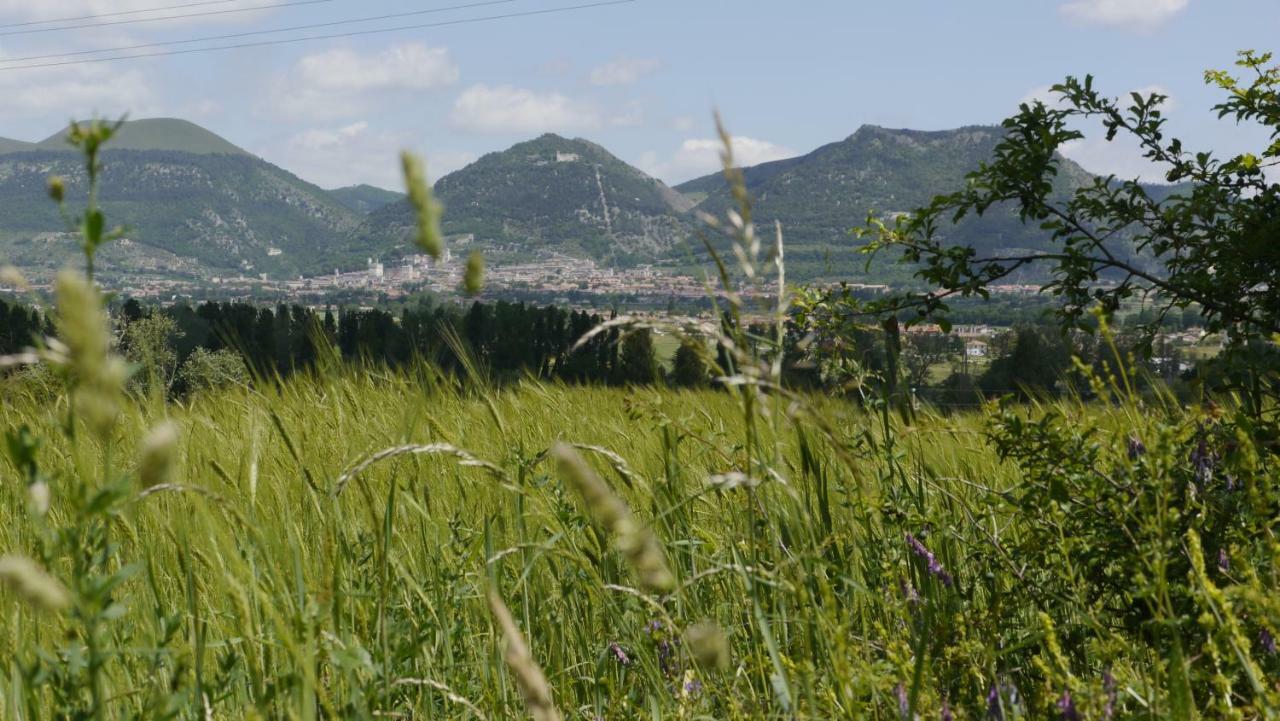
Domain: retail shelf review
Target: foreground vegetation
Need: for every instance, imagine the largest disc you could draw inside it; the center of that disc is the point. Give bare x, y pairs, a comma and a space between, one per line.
883, 567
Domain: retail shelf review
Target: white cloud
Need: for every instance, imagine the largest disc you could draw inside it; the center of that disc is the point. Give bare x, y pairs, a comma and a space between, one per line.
342, 82
75, 91
508, 109
1127, 14
1121, 157
699, 156
356, 153
624, 71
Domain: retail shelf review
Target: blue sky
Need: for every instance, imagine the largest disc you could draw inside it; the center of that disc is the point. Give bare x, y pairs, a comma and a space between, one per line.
640, 78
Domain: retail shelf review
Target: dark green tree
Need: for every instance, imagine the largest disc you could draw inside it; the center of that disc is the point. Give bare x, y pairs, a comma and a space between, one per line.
637, 360
688, 369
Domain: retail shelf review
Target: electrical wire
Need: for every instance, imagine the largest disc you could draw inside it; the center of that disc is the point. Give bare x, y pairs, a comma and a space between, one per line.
356, 33
115, 14
251, 33
182, 16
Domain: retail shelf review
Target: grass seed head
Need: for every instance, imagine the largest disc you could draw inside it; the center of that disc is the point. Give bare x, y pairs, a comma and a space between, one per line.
426, 208
473, 277
159, 453
33, 584
708, 645
98, 375
529, 677
636, 541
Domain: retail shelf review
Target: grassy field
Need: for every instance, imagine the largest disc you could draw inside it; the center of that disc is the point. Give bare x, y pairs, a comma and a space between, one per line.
353, 543
867, 573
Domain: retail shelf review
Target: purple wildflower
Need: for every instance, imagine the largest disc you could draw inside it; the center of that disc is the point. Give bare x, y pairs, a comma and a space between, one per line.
946, 711
692, 687
1068, 707
1136, 448
994, 710
910, 593
620, 654
666, 647
931, 561
1267, 641
1224, 561
1203, 461
904, 704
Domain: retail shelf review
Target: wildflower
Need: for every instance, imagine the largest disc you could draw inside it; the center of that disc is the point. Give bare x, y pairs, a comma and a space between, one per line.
994, 711
620, 654
1067, 707
931, 561
1224, 561
910, 593
33, 584
904, 704
1267, 641
1203, 461
1136, 448
1109, 687
692, 686
946, 711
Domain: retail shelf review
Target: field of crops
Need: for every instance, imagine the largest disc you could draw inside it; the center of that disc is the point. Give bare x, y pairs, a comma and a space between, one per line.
813, 560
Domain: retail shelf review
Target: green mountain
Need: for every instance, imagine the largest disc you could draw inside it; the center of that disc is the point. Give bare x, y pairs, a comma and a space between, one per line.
551, 193
157, 134
365, 198
13, 146
191, 204
821, 196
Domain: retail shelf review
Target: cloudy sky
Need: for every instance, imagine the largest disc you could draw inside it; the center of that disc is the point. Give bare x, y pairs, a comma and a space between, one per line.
641, 78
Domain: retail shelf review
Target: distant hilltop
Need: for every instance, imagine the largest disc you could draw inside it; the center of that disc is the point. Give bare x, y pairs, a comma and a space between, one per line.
198, 204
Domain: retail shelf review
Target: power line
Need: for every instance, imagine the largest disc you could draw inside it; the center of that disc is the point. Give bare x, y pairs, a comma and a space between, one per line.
251, 33
115, 14
356, 33
181, 16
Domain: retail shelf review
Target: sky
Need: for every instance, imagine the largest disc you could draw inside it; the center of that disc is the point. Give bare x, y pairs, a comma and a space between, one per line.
641, 78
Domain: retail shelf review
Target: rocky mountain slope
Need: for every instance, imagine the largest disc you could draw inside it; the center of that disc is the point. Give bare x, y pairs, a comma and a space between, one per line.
553, 193
180, 192
819, 197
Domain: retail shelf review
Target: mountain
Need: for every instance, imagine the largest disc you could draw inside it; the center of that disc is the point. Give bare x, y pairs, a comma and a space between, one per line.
821, 196
365, 198
13, 146
191, 203
157, 134
552, 193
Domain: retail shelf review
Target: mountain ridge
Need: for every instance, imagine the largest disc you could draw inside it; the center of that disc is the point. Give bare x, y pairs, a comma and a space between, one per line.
552, 193
172, 134
364, 198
